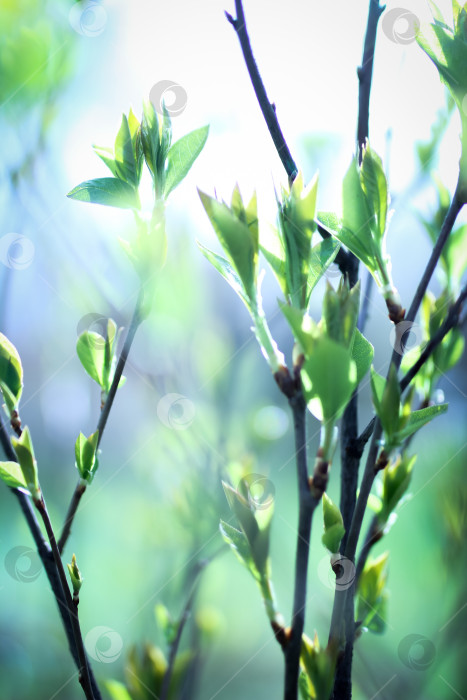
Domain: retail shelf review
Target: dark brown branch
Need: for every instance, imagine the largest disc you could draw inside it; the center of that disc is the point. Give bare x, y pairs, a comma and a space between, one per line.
365, 74
47, 559
80, 487
84, 675
307, 505
268, 109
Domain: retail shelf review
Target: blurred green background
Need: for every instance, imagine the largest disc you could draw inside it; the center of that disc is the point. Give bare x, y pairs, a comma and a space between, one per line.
199, 401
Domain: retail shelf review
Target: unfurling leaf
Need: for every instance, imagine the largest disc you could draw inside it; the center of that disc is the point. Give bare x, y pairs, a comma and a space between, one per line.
334, 529
182, 155
11, 374
27, 461
86, 456
109, 191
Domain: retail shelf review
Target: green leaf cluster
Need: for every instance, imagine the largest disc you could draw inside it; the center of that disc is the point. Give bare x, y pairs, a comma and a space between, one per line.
75, 575
318, 667
149, 141
251, 542
288, 249
335, 355
365, 202
236, 227
397, 419
447, 47
23, 473
371, 595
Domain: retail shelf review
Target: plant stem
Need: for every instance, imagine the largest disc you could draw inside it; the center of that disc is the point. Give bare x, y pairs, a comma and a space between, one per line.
268, 109
80, 487
451, 320
307, 505
365, 74
45, 553
449, 221
181, 625
84, 675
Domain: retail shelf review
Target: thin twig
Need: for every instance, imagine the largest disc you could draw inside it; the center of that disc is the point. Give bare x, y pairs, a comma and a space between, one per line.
84, 675
307, 505
47, 559
365, 73
451, 320
181, 625
342, 618
80, 487
268, 109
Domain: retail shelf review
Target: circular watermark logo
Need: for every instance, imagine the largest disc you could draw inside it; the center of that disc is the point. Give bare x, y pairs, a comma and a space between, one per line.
16, 251
23, 564
103, 644
176, 411
405, 336
260, 491
170, 94
417, 652
88, 18
95, 323
400, 25
336, 572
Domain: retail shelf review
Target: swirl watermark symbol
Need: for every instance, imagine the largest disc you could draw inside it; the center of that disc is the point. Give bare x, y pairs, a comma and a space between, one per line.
417, 652
170, 94
88, 18
260, 491
16, 251
94, 323
176, 411
400, 26
336, 572
405, 336
23, 564
103, 644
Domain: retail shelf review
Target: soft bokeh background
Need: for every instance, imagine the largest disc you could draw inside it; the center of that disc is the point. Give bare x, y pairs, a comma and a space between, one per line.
152, 512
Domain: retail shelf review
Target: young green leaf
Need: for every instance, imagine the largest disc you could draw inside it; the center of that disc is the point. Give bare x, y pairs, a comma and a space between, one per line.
396, 480
109, 191
86, 456
322, 255
150, 137
238, 242
340, 312
334, 529
107, 156
418, 419
375, 188
329, 377
75, 575
239, 544
12, 475
362, 354
227, 271
125, 161
11, 373
389, 414
117, 690
319, 665
27, 461
372, 599
182, 155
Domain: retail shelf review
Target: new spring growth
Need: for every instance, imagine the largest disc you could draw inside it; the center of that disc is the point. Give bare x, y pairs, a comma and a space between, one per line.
76, 578
447, 48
